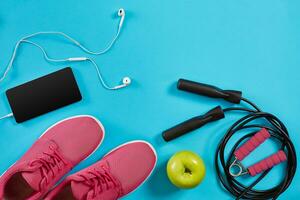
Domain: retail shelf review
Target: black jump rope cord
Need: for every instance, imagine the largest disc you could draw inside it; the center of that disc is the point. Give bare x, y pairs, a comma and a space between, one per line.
278, 132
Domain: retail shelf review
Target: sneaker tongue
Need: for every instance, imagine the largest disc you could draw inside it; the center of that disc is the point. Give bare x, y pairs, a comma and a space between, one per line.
33, 179
79, 189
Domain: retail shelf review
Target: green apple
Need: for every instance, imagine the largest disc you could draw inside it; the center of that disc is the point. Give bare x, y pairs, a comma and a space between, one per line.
186, 169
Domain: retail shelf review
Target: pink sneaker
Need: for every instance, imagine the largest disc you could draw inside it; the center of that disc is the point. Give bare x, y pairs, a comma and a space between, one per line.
118, 173
54, 154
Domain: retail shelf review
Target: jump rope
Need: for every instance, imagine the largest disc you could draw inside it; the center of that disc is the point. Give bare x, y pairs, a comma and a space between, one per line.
266, 126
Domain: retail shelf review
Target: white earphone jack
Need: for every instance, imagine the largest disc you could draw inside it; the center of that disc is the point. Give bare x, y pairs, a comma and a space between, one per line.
6, 116
126, 80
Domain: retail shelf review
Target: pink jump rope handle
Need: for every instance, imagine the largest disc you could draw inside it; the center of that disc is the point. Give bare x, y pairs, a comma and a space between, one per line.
251, 144
267, 163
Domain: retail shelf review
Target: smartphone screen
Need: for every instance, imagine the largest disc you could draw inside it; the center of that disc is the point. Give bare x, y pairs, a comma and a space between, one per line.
43, 95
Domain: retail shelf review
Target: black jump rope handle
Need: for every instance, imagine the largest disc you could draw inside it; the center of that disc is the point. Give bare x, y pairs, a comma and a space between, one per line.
215, 114
232, 96
194, 123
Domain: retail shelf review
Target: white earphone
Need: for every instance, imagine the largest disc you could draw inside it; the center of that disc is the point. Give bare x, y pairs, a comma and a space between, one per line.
125, 81
121, 13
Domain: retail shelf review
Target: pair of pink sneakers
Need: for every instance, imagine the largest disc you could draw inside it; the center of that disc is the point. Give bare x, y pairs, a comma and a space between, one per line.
62, 147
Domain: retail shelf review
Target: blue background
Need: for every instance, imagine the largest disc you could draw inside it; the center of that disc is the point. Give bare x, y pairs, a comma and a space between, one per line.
253, 46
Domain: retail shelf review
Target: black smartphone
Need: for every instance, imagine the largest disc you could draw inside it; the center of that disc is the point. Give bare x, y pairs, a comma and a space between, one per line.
43, 95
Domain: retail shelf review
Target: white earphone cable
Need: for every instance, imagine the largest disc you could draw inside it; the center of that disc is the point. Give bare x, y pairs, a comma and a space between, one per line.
100, 75
83, 48
75, 59
7, 116
45, 54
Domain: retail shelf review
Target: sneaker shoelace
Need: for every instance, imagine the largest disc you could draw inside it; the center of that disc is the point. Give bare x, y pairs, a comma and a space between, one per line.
100, 180
50, 163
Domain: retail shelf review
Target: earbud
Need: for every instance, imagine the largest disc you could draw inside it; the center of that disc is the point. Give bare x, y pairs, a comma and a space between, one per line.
121, 13
126, 82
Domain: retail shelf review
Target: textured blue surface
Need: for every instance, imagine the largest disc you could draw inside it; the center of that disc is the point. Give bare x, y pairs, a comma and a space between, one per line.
253, 46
